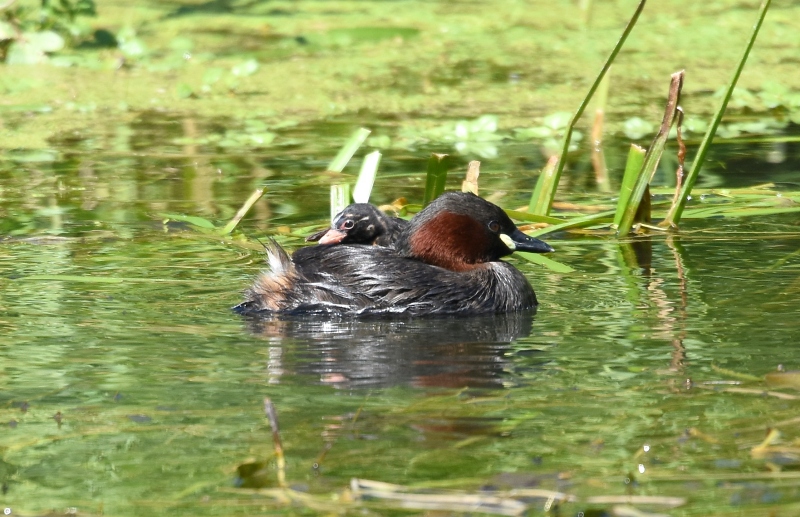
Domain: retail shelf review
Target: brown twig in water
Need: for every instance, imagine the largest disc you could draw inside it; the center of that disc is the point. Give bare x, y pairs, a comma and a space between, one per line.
255, 196
680, 173
272, 416
672, 502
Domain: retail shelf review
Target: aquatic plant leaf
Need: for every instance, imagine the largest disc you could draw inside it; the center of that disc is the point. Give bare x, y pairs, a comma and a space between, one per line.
674, 215
32, 155
632, 168
575, 222
549, 263
129, 44
532, 218
484, 124
353, 35
653, 156
7, 31
47, 41
264, 138
340, 198
246, 68
191, 219
546, 185
22, 53
184, 91
541, 198
435, 177
636, 128
348, 150
212, 75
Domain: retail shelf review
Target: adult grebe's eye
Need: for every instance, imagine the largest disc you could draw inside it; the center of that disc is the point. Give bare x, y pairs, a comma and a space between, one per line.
348, 224
494, 226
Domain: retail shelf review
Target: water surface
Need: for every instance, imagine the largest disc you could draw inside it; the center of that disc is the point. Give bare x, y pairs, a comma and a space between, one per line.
130, 387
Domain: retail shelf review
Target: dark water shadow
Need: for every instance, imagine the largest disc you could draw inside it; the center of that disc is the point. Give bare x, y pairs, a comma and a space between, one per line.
445, 352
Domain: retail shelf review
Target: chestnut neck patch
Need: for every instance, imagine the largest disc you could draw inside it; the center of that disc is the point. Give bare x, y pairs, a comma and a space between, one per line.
452, 241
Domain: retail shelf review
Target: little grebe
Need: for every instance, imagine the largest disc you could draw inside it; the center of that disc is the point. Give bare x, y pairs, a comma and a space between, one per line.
447, 261
361, 223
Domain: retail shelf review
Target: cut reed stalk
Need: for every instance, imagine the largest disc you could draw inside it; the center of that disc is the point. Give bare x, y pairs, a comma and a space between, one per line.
470, 183
366, 177
676, 211
542, 198
652, 157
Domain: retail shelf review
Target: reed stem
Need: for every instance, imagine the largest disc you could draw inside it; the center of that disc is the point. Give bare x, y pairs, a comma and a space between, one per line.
544, 193
676, 211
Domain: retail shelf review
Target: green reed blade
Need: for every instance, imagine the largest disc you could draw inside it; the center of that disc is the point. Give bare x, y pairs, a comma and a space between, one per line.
632, 168
674, 215
233, 223
545, 191
745, 212
340, 198
653, 156
348, 150
366, 177
542, 197
549, 263
200, 222
575, 222
532, 218
435, 177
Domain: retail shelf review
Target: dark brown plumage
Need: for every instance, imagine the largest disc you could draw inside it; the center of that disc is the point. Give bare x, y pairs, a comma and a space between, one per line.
446, 261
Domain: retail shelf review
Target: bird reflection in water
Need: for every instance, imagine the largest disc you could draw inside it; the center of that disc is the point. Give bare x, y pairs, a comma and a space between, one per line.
444, 352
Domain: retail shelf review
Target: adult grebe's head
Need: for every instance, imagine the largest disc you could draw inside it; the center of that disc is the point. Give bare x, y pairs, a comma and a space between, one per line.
461, 231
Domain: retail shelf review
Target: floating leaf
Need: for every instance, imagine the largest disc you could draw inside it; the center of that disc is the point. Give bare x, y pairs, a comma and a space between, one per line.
246, 68
184, 91
636, 128
7, 31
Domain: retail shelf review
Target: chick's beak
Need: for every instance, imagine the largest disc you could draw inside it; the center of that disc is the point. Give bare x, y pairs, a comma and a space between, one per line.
317, 236
332, 236
518, 241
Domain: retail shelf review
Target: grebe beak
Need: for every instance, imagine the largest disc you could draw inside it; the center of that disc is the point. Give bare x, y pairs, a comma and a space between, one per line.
332, 236
518, 241
317, 236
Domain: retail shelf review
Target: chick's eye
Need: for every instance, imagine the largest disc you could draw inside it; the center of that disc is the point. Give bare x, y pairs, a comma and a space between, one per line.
348, 224
494, 226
